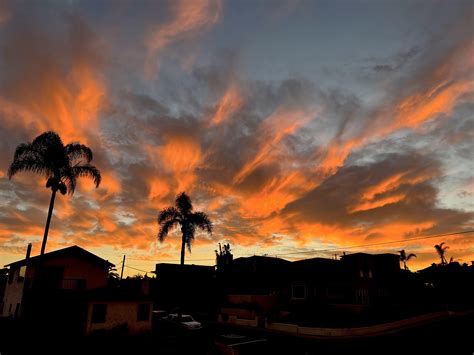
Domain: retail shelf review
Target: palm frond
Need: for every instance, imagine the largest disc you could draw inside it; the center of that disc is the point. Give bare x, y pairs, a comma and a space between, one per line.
165, 228
189, 230
411, 256
169, 214
89, 171
403, 255
27, 164
69, 179
202, 221
78, 151
25, 149
189, 242
183, 203
46, 139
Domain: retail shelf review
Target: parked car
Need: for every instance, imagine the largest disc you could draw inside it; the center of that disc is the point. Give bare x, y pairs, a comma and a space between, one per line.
187, 322
159, 314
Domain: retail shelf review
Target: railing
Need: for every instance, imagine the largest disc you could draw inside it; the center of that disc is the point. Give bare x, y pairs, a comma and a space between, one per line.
74, 284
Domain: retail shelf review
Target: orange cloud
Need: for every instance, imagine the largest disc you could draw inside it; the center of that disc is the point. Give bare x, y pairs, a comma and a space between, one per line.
385, 193
158, 189
439, 92
442, 87
274, 196
231, 102
48, 90
379, 202
109, 186
189, 19
280, 124
178, 157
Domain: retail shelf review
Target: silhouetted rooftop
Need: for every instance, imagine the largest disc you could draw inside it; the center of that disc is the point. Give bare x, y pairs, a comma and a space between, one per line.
69, 251
356, 255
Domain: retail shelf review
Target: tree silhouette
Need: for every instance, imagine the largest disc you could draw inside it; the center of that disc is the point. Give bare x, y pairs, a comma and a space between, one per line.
61, 165
182, 214
223, 255
441, 250
404, 258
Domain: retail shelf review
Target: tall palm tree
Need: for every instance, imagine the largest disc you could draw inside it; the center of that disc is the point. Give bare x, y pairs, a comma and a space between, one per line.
182, 214
60, 164
441, 250
404, 258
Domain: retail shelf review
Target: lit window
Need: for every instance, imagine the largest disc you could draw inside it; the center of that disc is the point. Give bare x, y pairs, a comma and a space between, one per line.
361, 273
21, 274
370, 274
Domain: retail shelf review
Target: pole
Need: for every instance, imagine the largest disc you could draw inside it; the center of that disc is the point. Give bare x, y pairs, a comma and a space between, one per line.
123, 265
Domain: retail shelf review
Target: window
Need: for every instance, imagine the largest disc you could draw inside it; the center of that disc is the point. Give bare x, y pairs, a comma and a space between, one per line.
362, 296
298, 292
370, 274
143, 314
99, 312
21, 274
74, 284
361, 273
11, 274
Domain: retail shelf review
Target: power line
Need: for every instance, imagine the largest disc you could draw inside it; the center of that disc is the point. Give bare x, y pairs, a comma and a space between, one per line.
312, 251
377, 244
154, 261
134, 268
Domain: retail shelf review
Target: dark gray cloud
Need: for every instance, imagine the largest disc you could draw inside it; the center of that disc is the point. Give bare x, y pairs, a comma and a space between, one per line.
339, 200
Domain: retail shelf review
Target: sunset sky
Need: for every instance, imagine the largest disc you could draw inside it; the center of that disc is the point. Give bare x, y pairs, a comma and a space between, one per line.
296, 125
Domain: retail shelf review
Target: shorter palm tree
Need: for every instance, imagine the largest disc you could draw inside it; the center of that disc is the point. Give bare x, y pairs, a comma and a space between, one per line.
441, 250
182, 214
404, 258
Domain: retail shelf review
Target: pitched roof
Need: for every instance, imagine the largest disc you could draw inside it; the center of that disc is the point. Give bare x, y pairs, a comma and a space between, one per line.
69, 251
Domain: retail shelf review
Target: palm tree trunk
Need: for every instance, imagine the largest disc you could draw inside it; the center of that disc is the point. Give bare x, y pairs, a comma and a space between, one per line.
48, 221
180, 298
183, 245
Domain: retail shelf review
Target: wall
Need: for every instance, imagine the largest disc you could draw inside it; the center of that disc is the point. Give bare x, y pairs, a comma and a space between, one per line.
239, 313
380, 329
118, 313
13, 294
78, 268
255, 322
266, 302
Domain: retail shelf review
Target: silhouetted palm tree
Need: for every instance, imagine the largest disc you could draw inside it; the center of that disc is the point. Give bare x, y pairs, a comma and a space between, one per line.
182, 214
405, 258
441, 250
223, 256
61, 165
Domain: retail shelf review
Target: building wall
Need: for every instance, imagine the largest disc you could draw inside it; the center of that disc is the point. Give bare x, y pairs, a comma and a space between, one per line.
78, 268
118, 313
74, 268
13, 294
266, 302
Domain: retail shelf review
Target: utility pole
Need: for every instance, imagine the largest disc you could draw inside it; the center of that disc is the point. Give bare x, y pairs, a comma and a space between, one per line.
123, 265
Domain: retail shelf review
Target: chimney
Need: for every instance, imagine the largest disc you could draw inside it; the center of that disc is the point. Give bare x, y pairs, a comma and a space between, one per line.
28, 251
